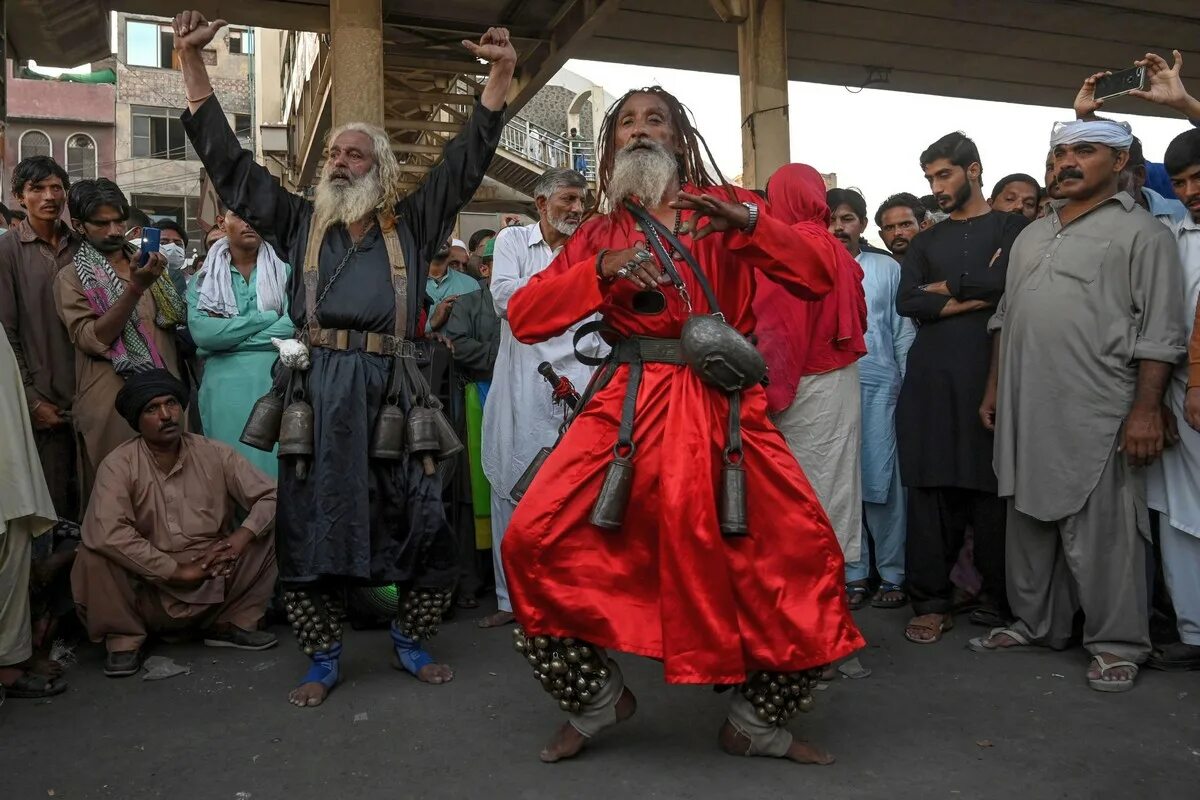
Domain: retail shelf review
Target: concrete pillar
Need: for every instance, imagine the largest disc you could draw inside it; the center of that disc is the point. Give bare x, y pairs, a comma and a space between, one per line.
762, 66
356, 56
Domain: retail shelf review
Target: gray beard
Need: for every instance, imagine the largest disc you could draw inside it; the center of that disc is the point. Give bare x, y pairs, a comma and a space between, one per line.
336, 203
644, 173
562, 225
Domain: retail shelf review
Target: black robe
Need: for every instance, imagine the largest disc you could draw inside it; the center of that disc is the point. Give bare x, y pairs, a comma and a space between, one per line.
353, 517
940, 439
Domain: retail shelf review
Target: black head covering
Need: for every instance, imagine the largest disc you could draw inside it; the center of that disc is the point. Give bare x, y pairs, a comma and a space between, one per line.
142, 387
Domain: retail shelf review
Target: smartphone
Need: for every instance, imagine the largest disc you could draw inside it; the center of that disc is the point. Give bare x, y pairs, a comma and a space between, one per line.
1119, 83
151, 237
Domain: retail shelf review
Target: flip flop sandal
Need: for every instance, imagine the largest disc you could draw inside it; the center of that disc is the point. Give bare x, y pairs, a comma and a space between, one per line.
35, 687
856, 595
947, 624
1102, 685
977, 645
889, 588
467, 601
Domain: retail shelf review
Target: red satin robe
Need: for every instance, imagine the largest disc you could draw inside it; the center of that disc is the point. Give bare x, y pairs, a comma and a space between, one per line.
667, 584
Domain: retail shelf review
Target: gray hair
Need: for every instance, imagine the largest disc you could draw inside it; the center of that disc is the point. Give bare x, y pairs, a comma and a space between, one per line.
554, 180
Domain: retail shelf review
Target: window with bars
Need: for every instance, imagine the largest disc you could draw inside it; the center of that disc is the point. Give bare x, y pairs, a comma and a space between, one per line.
34, 143
81, 156
148, 44
158, 133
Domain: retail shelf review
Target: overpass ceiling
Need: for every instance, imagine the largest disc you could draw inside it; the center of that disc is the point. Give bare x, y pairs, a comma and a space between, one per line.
1021, 51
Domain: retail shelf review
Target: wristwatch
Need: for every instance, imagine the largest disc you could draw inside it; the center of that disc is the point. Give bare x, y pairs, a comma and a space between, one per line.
752, 208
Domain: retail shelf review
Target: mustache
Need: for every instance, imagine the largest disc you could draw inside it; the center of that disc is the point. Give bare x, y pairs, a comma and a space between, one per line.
1068, 172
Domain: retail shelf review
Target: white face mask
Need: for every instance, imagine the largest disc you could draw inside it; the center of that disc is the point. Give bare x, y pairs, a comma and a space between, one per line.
173, 253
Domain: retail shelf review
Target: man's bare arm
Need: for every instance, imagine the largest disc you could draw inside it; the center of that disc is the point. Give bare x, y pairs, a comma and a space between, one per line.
1144, 436
954, 307
192, 34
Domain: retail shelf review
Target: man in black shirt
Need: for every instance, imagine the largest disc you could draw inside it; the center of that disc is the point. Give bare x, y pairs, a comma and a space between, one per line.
951, 279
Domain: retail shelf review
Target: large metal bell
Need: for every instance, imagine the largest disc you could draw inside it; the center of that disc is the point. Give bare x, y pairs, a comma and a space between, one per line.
387, 441
262, 426
296, 430
423, 437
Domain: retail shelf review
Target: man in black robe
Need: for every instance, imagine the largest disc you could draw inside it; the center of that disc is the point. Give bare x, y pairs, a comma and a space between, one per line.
950, 281
354, 517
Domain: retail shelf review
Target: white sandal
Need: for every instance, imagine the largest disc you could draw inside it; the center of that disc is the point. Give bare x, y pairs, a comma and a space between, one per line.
1102, 685
979, 643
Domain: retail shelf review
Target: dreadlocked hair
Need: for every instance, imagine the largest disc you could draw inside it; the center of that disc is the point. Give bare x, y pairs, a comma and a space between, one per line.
692, 167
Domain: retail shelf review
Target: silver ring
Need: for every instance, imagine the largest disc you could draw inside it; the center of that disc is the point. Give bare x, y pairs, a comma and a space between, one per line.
642, 256
622, 272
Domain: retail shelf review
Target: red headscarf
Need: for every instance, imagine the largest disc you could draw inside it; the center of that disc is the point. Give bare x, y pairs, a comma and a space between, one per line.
800, 337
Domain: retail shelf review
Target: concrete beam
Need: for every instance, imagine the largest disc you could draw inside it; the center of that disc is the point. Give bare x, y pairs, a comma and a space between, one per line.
294, 15
763, 68
356, 52
448, 66
575, 23
404, 123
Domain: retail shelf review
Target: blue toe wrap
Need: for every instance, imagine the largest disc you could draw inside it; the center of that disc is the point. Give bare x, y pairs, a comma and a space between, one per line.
326, 667
412, 656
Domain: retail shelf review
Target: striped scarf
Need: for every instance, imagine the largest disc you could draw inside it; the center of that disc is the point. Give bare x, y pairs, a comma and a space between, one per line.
134, 350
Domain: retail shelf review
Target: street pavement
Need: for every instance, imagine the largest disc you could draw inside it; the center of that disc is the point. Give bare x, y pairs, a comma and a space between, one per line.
930, 722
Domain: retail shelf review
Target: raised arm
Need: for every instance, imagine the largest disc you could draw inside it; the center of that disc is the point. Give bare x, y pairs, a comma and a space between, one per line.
431, 209
243, 185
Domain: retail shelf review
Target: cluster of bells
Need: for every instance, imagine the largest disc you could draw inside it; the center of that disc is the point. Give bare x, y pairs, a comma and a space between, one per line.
425, 432
421, 613
779, 696
317, 621
569, 669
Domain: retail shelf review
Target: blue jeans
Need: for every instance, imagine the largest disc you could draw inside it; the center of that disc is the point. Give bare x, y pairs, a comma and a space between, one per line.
884, 527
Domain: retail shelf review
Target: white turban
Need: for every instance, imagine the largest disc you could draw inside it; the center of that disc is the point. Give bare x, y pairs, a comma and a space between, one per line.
1117, 135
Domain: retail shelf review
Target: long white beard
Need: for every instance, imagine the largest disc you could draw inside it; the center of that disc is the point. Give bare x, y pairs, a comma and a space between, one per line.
644, 172
337, 203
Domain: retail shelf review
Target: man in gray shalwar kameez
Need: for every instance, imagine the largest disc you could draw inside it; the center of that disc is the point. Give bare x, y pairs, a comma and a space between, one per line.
1086, 337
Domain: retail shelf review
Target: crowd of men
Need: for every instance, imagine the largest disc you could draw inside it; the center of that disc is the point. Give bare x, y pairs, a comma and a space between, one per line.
998, 414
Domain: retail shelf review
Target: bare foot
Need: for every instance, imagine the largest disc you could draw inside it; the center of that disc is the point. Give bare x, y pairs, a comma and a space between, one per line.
568, 741
1000, 641
497, 620
44, 666
435, 673
738, 744
307, 695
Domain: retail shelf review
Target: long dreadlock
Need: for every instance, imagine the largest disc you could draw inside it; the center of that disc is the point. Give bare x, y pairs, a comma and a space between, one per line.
692, 167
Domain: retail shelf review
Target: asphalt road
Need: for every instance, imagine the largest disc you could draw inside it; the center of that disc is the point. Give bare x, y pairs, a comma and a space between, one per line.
931, 722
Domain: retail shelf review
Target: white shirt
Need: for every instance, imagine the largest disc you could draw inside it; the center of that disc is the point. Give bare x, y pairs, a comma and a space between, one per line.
1172, 480
519, 417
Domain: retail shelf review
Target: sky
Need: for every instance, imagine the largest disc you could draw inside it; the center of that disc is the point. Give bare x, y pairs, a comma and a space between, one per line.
873, 138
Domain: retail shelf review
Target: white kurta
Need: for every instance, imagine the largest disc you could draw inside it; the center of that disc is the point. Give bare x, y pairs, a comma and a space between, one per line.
26, 509
1172, 481
519, 417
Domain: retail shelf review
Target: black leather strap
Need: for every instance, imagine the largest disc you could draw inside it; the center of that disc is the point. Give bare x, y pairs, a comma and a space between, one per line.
733, 447
625, 432
648, 349
587, 329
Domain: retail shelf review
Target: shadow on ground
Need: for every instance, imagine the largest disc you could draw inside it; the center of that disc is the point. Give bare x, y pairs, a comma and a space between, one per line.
931, 722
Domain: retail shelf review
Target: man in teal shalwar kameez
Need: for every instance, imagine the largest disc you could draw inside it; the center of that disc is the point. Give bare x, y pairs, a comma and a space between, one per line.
236, 303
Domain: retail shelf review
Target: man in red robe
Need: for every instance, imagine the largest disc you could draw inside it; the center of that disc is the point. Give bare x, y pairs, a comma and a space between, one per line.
757, 606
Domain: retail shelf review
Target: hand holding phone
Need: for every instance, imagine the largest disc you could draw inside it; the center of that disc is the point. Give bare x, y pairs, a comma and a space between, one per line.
151, 238
1115, 84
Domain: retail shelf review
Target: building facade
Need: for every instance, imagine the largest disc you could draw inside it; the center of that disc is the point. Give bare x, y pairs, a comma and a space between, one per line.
155, 164
74, 123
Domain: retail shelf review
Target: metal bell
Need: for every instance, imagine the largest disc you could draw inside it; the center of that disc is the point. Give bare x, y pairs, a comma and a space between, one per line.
449, 445
526, 480
732, 509
422, 437
609, 511
262, 426
296, 434
388, 438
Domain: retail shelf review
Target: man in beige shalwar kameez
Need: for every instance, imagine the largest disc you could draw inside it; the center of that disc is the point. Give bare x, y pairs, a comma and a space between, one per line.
1086, 337
25, 512
161, 549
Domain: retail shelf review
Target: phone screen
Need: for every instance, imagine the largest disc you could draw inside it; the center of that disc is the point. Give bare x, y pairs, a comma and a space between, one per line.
1119, 83
151, 237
